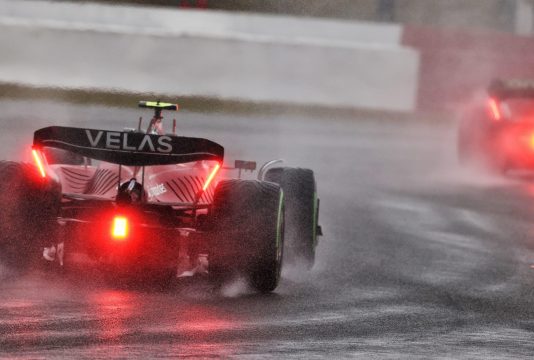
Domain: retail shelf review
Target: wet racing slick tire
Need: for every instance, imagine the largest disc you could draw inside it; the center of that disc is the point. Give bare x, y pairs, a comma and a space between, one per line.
29, 205
301, 212
247, 232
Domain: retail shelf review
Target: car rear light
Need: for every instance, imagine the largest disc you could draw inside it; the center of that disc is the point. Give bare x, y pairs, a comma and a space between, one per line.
39, 162
119, 228
211, 176
531, 141
495, 109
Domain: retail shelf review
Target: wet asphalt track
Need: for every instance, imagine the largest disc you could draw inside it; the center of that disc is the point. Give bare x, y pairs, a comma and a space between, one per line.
419, 258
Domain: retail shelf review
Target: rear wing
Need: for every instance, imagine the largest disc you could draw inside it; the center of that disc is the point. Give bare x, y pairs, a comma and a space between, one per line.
128, 148
506, 89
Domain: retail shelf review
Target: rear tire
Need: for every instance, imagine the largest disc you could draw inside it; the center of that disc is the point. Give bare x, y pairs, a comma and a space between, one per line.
302, 213
29, 206
247, 223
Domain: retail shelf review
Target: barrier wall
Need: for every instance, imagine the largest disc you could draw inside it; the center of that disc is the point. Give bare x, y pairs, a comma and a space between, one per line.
227, 56
164, 21
456, 65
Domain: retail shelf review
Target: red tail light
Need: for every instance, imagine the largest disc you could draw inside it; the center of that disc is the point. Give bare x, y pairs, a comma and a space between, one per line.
39, 162
119, 228
211, 176
495, 109
531, 141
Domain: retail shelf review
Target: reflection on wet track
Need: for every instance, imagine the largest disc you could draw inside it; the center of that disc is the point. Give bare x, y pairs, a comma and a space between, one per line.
420, 258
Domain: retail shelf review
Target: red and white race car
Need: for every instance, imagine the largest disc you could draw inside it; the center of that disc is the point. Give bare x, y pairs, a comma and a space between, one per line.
153, 205
499, 131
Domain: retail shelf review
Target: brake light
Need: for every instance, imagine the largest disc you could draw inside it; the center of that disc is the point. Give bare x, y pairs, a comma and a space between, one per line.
211, 176
495, 109
119, 228
531, 141
39, 162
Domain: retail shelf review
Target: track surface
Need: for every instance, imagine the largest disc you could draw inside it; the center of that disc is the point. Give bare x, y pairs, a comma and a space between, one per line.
419, 258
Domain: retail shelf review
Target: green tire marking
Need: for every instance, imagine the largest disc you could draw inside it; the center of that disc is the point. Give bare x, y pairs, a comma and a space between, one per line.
279, 221
314, 236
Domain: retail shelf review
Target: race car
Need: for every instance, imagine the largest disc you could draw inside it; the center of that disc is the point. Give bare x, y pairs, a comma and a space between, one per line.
154, 205
499, 131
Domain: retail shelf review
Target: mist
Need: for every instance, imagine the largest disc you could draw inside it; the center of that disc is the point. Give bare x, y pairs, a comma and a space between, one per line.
420, 257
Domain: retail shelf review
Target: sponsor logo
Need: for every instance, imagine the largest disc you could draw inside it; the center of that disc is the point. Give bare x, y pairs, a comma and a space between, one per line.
119, 141
157, 190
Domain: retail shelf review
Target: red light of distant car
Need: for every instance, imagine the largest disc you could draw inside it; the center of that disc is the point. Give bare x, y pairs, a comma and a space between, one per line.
531, 141
38, 162
211, 176
527, 139
119, 228
495, 109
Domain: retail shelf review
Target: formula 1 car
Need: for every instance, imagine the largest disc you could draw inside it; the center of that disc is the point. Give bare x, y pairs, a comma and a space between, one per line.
499, 132
155, 205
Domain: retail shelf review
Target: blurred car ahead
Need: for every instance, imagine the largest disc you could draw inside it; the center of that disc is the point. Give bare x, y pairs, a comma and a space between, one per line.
499, 131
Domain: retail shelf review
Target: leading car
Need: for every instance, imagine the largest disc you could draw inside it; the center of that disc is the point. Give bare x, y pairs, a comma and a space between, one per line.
154, 205
499, 130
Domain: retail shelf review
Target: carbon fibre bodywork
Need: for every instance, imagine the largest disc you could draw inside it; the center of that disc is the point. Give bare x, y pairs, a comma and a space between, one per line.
94, 168
179, 183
